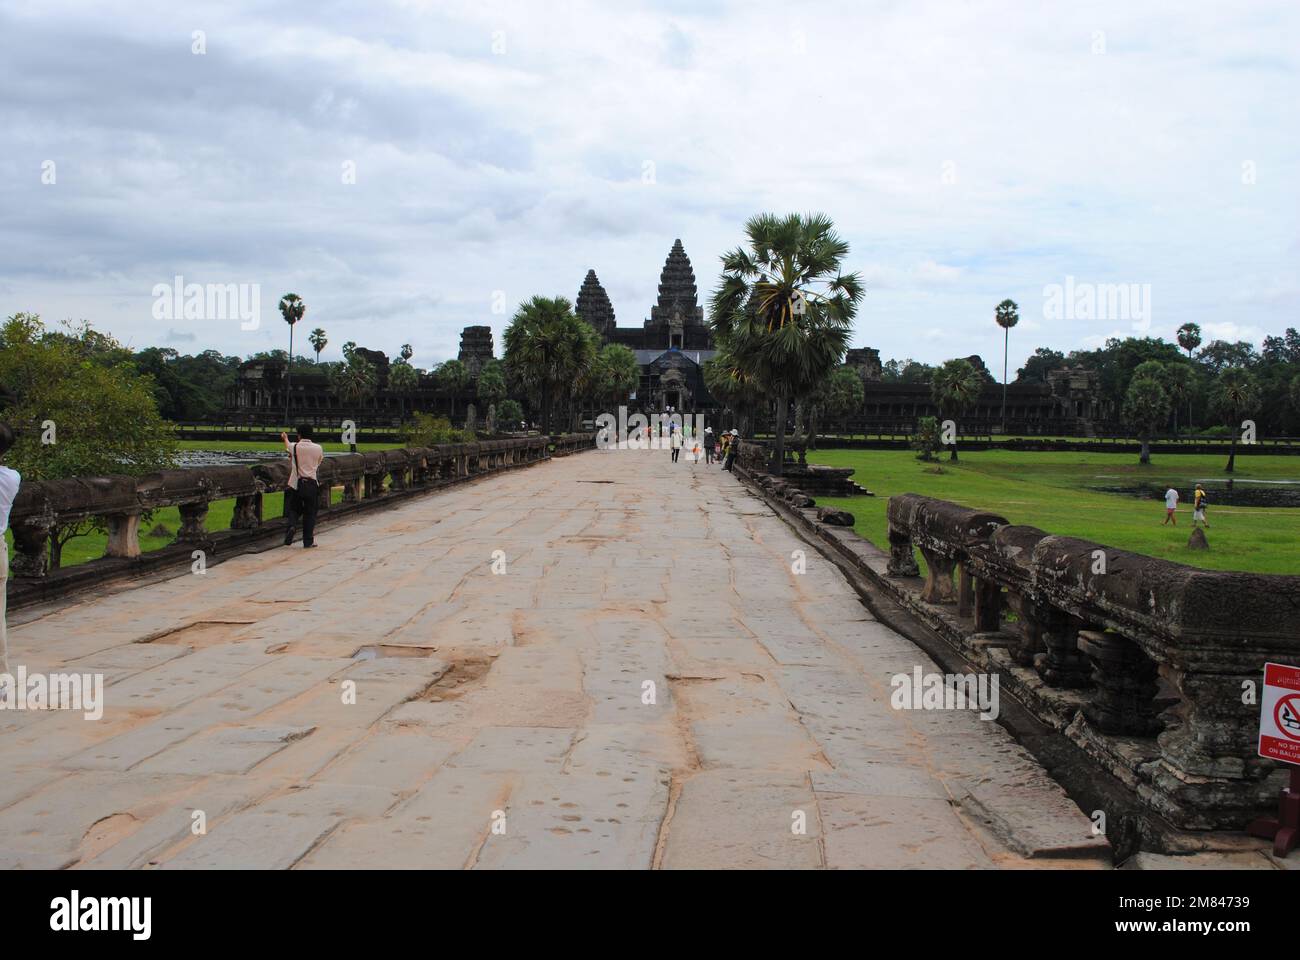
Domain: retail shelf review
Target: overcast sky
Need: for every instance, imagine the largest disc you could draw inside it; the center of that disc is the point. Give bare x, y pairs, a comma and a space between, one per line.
968, 151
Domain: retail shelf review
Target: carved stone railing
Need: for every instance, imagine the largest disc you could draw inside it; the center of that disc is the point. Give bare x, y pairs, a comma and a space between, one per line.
120, 501
1146, 664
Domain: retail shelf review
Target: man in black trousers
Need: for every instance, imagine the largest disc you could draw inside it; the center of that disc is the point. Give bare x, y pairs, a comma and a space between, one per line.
302, 492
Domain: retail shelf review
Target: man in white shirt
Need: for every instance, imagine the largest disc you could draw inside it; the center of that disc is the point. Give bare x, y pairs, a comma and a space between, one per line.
301, 494
9, 481
1171, 504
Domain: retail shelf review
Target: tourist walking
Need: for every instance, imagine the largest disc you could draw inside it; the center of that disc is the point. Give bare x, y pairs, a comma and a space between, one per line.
1200, 500
9, 482
708, 445
302, 491
1171, 505
732, 449
676, 442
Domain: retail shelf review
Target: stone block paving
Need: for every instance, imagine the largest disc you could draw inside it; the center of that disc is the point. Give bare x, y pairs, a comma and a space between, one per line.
648, 684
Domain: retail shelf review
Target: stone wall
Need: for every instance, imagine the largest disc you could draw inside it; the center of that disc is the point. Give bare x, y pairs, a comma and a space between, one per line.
1143, 664
367, 479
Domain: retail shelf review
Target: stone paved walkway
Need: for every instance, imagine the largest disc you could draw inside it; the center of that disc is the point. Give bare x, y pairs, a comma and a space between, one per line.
505, 722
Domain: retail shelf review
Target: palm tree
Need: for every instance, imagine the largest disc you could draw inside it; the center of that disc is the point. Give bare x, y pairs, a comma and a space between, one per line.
1007, 317
491, 385
1235, 393
1178, 381
452, 378
616, 373
402, 380
1189, 337
318, 341
1146, 405
783, 310
733, 387
354, 379
549, 350
406, 352
954, 389
291, 308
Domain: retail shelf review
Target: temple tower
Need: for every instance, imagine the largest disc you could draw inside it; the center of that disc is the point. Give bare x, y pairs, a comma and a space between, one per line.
593, 306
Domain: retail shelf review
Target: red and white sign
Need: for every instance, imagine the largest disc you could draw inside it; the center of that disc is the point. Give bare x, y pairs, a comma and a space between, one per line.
1279, 714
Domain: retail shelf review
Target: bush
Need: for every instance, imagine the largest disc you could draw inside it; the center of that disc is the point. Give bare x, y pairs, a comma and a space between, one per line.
427, 430
926, 439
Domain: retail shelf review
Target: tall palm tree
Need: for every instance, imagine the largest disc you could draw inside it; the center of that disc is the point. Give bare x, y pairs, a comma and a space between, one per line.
318, 341
1235, 393
402, 380
291, 308
1146, 404
452, 376
1189, 338
783, 309
954, 389
407, 352
1007, 317
1178, 380
549, 349
616, 373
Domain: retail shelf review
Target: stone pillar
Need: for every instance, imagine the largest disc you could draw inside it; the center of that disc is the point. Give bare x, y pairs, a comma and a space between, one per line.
1028, 630
1062, 665
192, 529
1124, 702
1211, 732
248, 512
902, 561
988, 607
123, 535
31, 549
353, 490
938, 578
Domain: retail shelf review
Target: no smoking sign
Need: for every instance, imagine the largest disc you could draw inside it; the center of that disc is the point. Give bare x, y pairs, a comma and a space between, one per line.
1279, 714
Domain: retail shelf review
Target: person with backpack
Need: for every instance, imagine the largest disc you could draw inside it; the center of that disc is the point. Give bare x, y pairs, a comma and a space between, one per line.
1200, 500
302, 491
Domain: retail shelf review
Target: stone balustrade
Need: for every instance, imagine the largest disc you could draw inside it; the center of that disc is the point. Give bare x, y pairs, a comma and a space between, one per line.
1144, 663
120, 501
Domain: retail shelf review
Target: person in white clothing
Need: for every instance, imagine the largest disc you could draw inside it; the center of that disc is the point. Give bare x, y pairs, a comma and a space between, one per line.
9, 482
1171, 504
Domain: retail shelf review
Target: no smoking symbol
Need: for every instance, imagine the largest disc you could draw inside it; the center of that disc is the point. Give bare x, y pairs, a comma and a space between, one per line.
1286, 715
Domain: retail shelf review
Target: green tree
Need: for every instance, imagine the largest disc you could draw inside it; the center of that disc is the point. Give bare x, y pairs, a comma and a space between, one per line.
1040, 363
407, 352
954, 389
1179, 382
452, 377
926, 441
291, 308
615, 373
839, 395
354, 379
1189, 337
509, 412
549, 349
318, 341
1234, 394
1007, 316
732, 387
80, 408
1146, 408
784, 310
491, 385
403, 381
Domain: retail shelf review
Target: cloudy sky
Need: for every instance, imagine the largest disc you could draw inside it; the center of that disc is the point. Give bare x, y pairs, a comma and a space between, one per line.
411, 168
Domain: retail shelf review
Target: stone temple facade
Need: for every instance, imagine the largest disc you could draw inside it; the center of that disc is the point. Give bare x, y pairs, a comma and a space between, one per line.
671, 345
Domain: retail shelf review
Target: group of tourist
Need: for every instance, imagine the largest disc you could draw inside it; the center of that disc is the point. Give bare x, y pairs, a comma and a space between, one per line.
1200, 501
711, 448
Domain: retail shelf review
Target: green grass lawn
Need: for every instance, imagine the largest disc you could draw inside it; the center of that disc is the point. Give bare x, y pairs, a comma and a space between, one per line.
1055, 491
